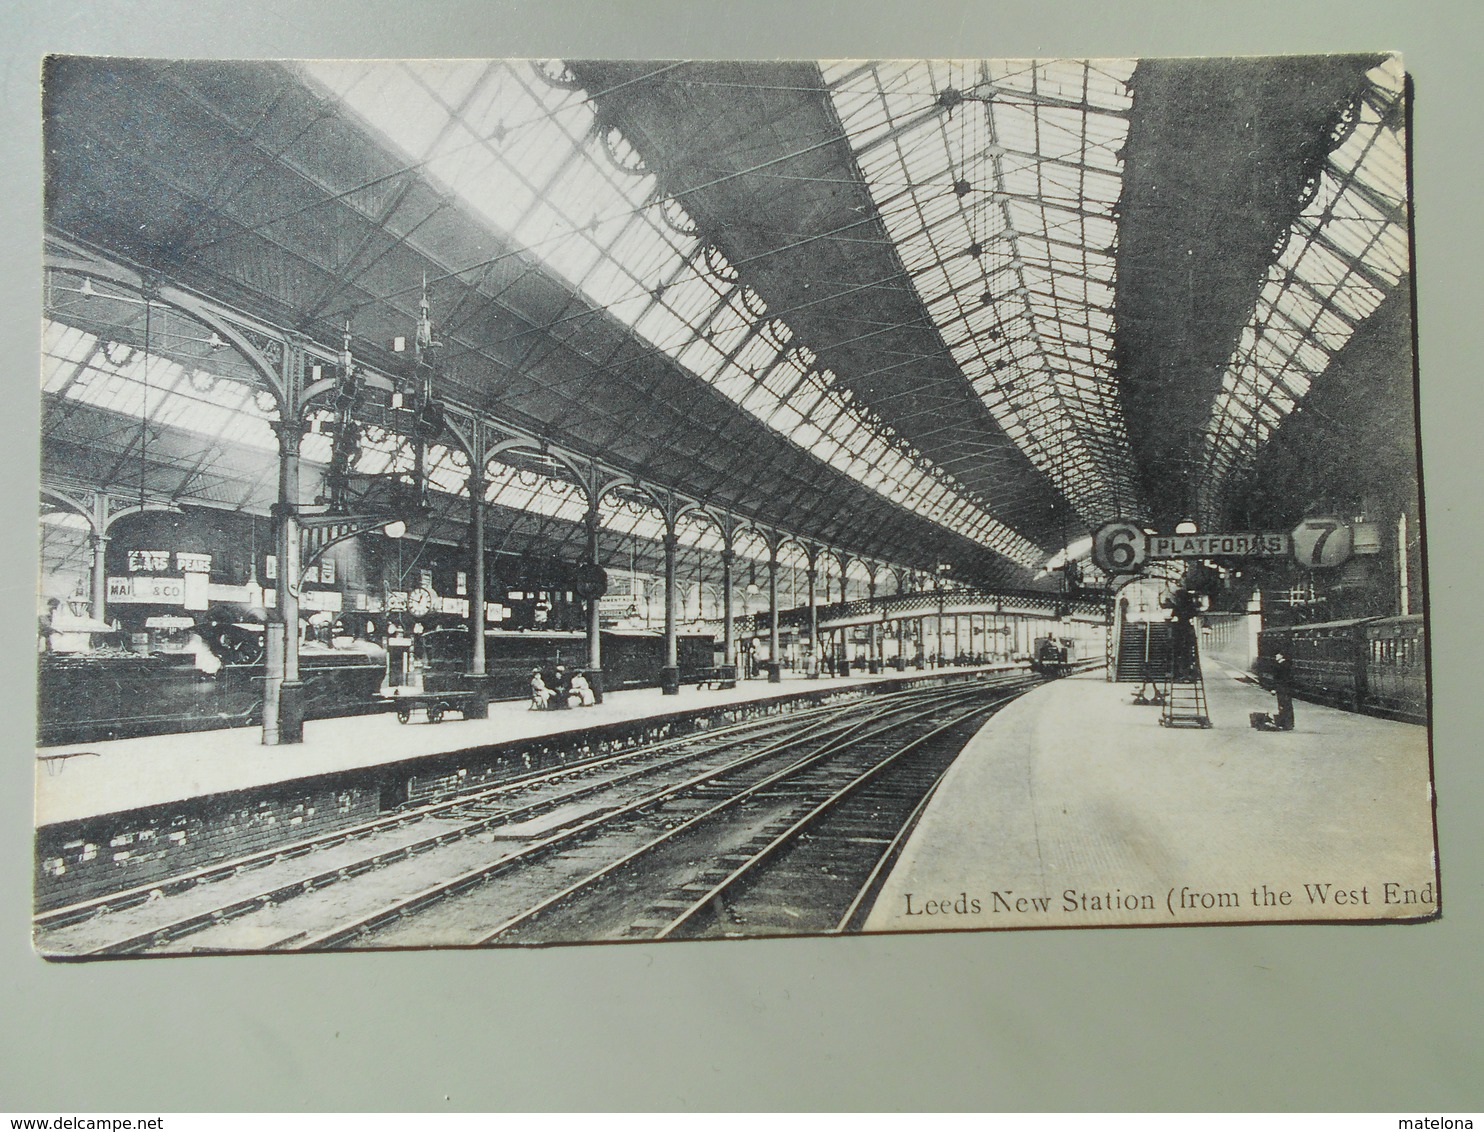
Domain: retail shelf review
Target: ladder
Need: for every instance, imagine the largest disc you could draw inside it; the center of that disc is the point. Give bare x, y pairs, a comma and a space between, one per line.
1185, 696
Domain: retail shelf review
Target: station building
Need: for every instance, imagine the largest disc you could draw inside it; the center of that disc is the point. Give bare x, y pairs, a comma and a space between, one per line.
414, 386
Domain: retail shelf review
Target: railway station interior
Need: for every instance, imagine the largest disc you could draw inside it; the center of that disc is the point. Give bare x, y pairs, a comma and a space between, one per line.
410, 425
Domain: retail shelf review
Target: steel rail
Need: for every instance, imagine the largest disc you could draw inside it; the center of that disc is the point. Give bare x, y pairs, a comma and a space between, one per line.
160, 934
815, 813
472, 878
873, 880
806, 763
126, 898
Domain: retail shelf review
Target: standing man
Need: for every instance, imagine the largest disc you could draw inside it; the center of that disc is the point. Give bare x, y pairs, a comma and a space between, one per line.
1283, 689
1185, 608
46, 627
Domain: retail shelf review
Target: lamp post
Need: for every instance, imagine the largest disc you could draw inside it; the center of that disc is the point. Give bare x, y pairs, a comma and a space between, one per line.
283, 693
750, 617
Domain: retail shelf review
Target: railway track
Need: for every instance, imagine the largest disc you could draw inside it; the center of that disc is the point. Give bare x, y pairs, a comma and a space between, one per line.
825, 835
843, 847
243, 903
644, 871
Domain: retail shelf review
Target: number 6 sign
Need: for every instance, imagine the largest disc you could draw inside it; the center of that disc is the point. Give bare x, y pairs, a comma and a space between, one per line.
1322, 542
1119, 548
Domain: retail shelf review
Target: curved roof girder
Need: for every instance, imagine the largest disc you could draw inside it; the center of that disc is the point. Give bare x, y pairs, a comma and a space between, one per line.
374, 309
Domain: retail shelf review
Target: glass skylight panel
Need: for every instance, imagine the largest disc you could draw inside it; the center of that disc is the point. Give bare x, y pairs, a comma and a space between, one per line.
522, 489
528, 154
123, 379
78, 366
379, 453
63, 349
447, 470
1032, 173
1342, 256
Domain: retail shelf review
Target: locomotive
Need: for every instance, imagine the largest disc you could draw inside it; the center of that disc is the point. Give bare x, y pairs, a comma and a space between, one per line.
1376, 664
1051, 656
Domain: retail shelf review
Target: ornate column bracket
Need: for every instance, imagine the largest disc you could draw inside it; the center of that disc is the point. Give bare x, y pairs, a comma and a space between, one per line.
260, 346
283, 706
101, 509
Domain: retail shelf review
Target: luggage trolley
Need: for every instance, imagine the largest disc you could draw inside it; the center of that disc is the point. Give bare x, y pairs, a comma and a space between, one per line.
416, 681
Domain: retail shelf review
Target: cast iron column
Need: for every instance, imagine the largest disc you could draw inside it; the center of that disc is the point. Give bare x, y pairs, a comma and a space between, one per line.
594, 618
940, 629
476, 572
775, 670
283, 694
814, 651
728, 627
670, 674
100, 577
100, 557
479, 704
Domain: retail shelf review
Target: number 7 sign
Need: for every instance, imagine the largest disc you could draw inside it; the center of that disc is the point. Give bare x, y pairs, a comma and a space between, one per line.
1322, 543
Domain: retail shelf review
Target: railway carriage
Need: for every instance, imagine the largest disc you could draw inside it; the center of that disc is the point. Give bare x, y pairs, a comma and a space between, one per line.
1378, 663
1396, 665
1327, 658
94, 697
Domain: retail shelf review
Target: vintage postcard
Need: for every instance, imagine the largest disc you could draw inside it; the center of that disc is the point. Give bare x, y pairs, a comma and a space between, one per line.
517, 502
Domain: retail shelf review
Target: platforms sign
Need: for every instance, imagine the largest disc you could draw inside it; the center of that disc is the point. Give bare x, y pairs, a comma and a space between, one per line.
1246, 544
1122, 547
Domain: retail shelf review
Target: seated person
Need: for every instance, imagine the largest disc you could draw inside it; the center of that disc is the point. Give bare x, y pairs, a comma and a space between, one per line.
581, 691
540, 693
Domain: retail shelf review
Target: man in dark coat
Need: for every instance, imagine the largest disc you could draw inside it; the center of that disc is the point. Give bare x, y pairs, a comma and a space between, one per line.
1185, 609
1283, 689
46, 627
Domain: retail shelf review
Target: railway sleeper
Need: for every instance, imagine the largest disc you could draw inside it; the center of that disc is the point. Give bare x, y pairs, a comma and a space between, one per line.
850, 839
702, 884
645, 927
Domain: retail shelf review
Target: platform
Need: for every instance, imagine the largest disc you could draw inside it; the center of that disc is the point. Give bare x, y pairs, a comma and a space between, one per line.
82, 780
1074, 807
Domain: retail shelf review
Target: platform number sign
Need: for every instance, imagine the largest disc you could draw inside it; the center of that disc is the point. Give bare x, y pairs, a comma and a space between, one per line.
1119, 548
1322, 543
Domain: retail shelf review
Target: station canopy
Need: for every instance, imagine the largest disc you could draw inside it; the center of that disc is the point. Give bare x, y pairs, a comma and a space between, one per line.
921, 313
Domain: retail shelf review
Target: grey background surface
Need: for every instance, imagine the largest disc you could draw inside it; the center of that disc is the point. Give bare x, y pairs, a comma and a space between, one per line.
1325, 1017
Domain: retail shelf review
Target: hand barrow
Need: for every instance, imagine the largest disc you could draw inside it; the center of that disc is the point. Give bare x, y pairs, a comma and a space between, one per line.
434, 704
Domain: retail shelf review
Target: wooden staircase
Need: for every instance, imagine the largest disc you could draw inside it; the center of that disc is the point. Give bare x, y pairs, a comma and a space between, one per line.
1144, 652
